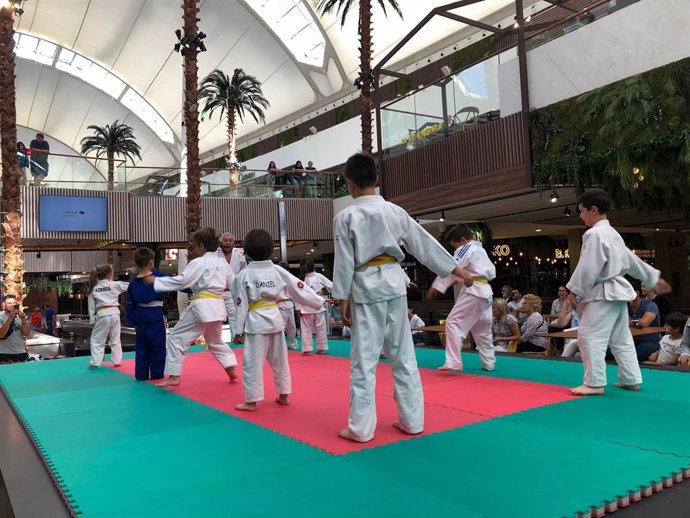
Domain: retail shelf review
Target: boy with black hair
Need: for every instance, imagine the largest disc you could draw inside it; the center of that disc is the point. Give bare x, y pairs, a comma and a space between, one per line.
146, 314
471, 312
208, 275
369, 236
601, 292
257, 290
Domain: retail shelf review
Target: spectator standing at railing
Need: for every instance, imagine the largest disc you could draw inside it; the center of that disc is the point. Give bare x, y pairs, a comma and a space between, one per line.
311, 180
298, 176
22, 160
272, 176
40, 149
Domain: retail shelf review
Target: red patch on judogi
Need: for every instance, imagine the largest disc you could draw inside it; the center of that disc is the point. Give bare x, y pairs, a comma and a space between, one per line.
300, 285
239, 302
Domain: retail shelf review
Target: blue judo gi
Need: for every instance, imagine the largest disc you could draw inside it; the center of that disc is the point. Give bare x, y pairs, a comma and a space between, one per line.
146, 314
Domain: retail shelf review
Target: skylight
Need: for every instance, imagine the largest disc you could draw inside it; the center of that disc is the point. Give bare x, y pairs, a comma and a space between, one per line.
42, 51
294, 24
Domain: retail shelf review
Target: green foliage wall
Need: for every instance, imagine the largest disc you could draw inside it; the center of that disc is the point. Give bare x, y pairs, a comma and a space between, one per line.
631, 138
248, 153
288, 137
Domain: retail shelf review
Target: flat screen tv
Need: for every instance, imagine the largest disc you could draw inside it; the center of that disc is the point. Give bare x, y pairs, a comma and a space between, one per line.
72, 214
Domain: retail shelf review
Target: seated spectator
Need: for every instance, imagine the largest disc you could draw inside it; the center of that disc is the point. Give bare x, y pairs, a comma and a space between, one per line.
507, 292
515, 300
529, 340
662, 302
36, 319
561, 301
416, 323
643, 313
669, 346
505, 326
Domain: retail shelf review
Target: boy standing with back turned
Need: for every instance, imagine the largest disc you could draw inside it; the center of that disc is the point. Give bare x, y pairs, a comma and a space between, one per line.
368, 238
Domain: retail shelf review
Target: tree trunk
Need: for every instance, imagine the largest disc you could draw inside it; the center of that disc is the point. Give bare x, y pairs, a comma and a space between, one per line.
191, 120
365, 50
232, 125
10, 202
111, 171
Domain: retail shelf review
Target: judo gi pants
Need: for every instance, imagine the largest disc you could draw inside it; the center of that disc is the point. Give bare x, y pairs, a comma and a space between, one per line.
375, 325
188, 329
311, 324
230, 309
107, 326
257, 349
605, 324
149, 357
288, 315
470, 314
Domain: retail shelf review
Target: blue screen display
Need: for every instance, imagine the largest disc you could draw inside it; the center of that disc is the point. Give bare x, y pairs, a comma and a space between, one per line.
72, 214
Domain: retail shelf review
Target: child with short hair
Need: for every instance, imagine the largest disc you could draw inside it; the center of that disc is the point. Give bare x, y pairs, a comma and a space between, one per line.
145, 313
471, 312
208, 275
104, 314
669, 347
257, 291
313, 321
369, 236
601, 292
416, 323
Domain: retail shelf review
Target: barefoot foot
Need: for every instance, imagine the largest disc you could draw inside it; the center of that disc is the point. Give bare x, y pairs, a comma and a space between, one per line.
232, 373
627, 387
247, 407
306, 353
442, 368
117, 365
404, 430
171, 381
345, 434
584, 390
282, 399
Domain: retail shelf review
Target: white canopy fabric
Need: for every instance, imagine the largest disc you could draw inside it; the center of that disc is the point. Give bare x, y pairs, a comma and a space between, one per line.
134, 39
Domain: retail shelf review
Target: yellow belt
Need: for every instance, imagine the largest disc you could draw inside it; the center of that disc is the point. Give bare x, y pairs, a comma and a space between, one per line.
262, 304
480, 280
381, 259
285, 300
206, 295
99, 308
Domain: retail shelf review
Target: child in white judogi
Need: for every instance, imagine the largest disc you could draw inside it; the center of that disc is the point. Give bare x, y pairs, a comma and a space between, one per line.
104, 313
235, 258
287, 311
313, 321
208, 275
472, 309
257, 291
369, 236
601, 293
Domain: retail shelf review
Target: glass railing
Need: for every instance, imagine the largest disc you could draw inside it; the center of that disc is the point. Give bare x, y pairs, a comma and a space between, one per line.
77, 172
458, 102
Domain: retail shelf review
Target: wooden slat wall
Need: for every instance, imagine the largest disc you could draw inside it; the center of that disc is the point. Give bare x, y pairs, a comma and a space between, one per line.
118, 214
65, 262
157, 219
309, 219
240, 215
495, 148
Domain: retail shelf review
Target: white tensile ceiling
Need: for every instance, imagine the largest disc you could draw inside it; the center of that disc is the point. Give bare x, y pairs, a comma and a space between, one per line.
134, 40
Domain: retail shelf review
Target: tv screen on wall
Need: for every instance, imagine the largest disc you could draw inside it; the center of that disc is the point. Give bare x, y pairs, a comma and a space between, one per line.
72, 214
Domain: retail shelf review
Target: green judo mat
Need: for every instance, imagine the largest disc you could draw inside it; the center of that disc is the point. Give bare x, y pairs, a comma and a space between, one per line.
119, 448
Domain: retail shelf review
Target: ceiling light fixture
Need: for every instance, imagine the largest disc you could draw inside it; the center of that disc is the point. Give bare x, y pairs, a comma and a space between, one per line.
657, 227
567, 212
38, 255
443, 216
554, 196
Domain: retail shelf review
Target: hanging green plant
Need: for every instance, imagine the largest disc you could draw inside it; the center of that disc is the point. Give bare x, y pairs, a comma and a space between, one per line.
46, 284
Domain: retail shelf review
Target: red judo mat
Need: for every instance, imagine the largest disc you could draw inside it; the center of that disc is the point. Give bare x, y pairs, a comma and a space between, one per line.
320, 399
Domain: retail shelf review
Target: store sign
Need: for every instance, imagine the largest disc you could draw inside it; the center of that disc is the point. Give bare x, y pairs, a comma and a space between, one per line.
501, 251
562, 254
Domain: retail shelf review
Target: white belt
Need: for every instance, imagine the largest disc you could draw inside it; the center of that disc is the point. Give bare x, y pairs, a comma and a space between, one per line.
152, 304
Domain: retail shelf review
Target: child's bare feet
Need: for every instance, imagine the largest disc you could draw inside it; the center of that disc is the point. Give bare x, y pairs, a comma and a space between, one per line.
320, 351
117, 365
92, 366
404, 430
584, 390
306, 353
170, 381
232, 373
282, 399
443, 368
627, 387
347, 435
247, 407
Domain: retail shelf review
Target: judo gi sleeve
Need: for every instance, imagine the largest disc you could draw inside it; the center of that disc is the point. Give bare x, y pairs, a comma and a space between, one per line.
592, 260
299, 292
241, 298
344, 265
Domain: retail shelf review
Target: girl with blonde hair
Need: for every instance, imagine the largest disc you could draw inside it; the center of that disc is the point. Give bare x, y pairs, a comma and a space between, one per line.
104, 314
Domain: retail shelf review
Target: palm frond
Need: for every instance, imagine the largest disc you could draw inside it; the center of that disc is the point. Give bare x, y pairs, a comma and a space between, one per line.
343, 6
116, 138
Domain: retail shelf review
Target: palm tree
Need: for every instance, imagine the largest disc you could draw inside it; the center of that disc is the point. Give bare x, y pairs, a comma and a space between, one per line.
10, 201
238, 95
191, 121
113, 139
366, 49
